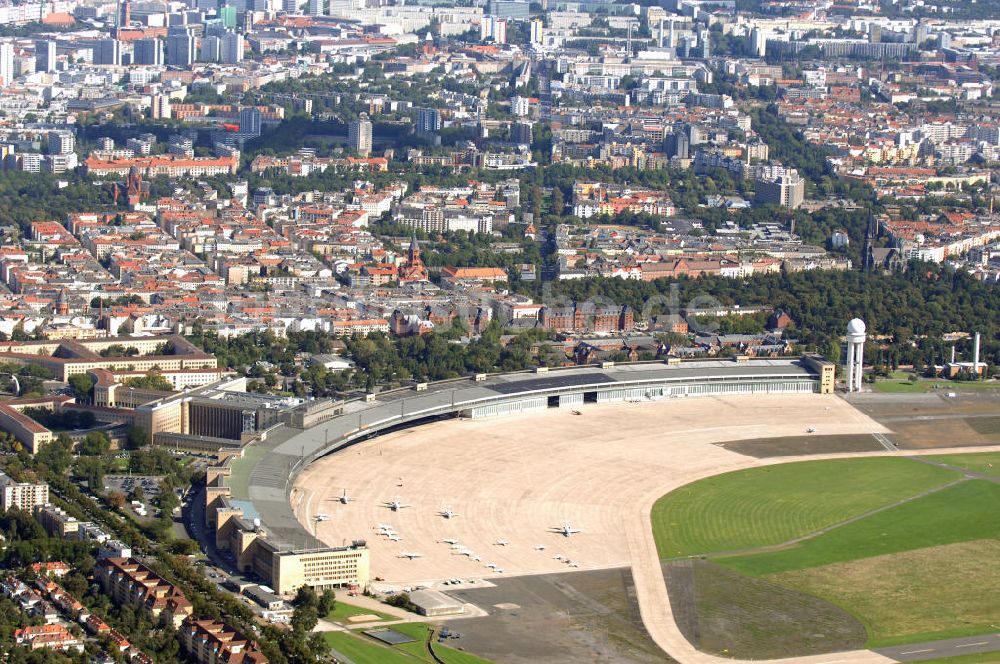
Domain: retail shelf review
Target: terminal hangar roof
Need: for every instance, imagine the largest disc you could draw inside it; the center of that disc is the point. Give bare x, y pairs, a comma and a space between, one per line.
276, 460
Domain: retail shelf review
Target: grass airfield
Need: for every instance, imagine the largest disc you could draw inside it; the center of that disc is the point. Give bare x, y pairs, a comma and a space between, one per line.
905, 547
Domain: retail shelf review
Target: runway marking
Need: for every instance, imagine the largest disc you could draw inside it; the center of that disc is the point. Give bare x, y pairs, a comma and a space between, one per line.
914, 652
884, 442
970, 645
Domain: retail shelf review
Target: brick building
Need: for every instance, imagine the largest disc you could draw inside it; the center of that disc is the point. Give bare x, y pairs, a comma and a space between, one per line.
588, 317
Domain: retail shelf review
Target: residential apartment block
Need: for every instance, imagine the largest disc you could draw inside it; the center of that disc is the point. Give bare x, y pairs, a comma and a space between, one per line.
211, 642
130, 582
22, 495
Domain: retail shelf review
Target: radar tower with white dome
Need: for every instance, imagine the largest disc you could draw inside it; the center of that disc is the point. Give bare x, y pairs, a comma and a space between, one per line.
856, 335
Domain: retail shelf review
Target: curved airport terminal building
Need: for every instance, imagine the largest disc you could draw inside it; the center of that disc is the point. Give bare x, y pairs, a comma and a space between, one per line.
247, 497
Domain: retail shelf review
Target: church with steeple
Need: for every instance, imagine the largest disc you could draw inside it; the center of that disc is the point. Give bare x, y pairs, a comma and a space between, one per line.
413, 269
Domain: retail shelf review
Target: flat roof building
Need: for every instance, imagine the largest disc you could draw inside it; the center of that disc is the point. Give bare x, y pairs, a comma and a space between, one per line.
787, 190
432, 603
22, 495
68, 357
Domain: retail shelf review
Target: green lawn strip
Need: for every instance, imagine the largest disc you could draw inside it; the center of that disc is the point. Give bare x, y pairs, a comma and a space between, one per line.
981, 658
770, 505
898, 387
418, 648
452, 656
939, 635
987, 463
414, 630
342, 611
961, 513
891, 386
118, 466
418, 631
363, 650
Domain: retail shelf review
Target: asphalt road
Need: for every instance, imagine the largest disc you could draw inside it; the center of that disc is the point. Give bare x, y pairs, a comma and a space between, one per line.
193, 517
970, 645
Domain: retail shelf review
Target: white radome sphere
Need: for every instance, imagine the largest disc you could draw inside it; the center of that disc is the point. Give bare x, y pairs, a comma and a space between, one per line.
856, 326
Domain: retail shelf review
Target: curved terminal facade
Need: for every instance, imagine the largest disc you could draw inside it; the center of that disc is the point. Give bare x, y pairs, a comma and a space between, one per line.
248, 501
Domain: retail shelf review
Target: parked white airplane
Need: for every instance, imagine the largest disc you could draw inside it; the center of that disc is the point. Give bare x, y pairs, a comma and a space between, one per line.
501, 542
395, 505
566, 530
322, 517
394, 538
410, 555
447, 513
811, 430
450, 541
344, 499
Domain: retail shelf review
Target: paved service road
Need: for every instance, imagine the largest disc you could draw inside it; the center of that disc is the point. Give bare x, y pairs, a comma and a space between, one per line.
970, 645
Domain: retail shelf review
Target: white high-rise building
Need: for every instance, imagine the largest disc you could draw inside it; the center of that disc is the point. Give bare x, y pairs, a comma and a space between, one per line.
359, 136
428, 120
520, 106
61, 142
787, 189
107, 52
45, 55
537, 32
160, 107
148, 52
6, 64
23, 495
31, 162
856, 335
493, 29
250, 122
758, 42
232, 49
180, 47
211, 47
